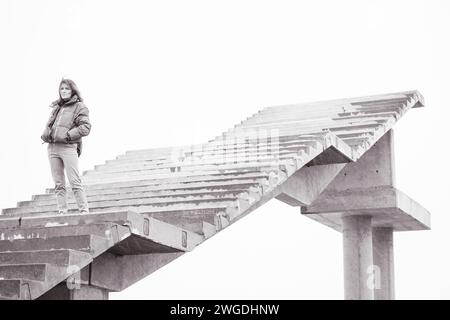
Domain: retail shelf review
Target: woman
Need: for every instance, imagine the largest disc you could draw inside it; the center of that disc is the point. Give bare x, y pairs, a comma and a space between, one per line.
69, 121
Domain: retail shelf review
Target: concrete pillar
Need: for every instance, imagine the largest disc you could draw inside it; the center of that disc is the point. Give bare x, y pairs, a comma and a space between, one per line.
383, 259
358, 257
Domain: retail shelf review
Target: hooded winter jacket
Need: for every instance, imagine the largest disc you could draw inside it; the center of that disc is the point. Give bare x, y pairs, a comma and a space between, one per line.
68, 123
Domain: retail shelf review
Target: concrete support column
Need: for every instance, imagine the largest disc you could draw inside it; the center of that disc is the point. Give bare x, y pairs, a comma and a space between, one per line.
383, 259
358, 257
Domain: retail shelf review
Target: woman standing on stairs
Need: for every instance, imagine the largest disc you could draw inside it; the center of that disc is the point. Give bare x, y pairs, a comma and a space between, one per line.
68, 123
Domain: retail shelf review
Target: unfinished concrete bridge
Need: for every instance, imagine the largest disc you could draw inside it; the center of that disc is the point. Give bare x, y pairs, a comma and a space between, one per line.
333, 160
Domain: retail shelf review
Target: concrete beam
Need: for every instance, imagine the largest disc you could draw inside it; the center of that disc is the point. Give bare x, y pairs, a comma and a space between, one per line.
304, 186
116, 273
145, 230
388, 207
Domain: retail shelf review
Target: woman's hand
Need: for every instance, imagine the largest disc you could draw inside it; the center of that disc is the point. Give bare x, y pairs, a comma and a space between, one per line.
46, 135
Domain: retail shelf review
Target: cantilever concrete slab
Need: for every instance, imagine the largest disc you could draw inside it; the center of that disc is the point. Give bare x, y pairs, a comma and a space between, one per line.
99, 229
388, 207
306, 184
128, 218
116, 273
65, 257
142, 228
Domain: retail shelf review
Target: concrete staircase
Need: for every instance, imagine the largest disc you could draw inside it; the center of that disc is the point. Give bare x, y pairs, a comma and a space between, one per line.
39, 252
150, 206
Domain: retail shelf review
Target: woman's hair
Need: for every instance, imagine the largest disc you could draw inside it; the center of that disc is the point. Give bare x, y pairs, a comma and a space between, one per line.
72, 86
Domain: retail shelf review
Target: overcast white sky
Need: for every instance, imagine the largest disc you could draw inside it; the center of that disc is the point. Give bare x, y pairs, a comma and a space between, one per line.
163, 73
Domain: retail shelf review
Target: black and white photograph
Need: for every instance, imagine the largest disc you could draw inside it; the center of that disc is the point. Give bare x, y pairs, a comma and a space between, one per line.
224, 150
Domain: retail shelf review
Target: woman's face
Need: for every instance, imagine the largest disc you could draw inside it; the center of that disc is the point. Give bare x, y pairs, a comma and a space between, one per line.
65, 91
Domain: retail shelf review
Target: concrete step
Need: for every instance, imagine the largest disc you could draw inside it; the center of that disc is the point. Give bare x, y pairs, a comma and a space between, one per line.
354, 133
330, 105
329, 123
239, 150
194, 170
258, 145
250, 144
266, 166
205, 148
142, 160
161, 237
150, 205
126, 224
338, 120
150, 158
150, 191
293, 121
220, 157
341, 134
181, 217
193, 220
29, 271
354, 142
310, 139
368, 115
315, 115
170, 210
173, 184
122, 218
171, 152
176, 181
177, 177
136, 196
15, 289
113, 225
346, 104
162, 152
65, 257
191, 163
291, 130
295, 129
86, 243
104, 229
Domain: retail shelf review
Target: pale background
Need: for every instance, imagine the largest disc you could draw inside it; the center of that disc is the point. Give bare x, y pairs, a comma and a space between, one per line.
164, 73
